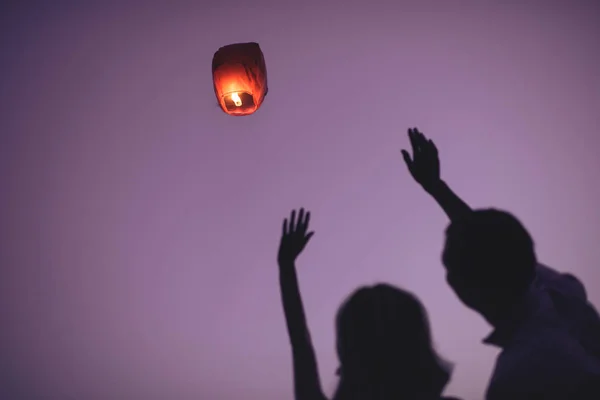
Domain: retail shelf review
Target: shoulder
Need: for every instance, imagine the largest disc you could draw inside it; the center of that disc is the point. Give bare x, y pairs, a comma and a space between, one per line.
548, 353
532, 369
589, 390
564, 283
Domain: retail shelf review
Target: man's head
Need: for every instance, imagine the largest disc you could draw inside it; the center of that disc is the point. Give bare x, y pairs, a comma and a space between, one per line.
490, 261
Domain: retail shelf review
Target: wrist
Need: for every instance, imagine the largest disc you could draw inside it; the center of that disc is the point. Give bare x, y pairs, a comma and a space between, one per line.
287, 273
286, 265
436, 189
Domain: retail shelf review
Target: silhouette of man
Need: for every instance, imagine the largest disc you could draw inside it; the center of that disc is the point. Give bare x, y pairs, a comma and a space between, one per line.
548, 331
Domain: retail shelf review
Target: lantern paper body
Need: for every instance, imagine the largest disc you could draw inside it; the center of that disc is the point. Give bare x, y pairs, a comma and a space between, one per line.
240, 78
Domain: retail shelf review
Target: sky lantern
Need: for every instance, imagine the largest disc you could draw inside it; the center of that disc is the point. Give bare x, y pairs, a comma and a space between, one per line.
240, 78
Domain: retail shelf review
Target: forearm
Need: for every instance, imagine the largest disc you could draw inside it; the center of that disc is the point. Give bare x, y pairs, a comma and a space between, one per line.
293, 308
454, 207
306, 376
307, 384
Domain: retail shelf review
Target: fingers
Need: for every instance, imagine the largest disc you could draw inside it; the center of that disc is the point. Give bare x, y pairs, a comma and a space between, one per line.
306, 221
420, 139
303, 219
433, 148
292, 225
407, 159
412, 135
421, 145
430, 143
300, 224
417, 136
296, 225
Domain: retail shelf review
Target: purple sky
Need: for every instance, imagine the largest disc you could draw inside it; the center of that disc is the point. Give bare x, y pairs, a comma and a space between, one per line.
139, 223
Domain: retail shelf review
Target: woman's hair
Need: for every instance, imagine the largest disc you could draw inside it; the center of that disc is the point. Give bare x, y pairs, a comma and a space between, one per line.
384, 347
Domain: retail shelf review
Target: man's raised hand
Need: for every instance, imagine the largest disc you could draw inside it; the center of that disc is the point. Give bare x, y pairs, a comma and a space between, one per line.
424, 166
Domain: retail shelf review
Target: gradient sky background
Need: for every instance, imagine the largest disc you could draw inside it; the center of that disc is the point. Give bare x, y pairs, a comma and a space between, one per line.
139, 223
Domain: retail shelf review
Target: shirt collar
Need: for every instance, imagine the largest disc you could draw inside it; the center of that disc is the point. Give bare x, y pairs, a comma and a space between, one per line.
524, 311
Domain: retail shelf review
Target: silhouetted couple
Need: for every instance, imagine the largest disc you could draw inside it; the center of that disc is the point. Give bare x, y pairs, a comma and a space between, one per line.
548, 331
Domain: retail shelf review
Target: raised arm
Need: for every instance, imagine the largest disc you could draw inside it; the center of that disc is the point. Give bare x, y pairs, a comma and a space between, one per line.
567, 291
424, 166
295, 236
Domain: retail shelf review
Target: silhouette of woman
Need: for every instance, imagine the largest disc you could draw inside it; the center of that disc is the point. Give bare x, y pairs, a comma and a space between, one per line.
383, 337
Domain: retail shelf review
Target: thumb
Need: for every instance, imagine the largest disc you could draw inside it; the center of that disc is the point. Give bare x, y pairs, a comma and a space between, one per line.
308, 236
407, 160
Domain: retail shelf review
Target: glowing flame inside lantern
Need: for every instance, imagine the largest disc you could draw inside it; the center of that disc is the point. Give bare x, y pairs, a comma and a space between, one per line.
236, 99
